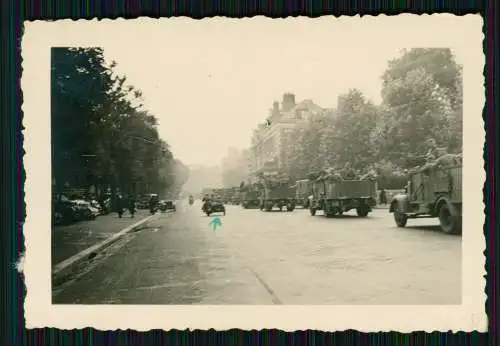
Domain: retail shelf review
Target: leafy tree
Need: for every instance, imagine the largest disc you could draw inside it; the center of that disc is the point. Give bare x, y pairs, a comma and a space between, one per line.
422, 91
100, 136
355, 122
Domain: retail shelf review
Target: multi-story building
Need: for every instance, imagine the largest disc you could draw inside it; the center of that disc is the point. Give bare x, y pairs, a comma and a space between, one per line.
271, 139
236, 166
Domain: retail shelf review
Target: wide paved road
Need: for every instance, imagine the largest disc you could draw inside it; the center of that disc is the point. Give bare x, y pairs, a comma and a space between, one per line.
273, 258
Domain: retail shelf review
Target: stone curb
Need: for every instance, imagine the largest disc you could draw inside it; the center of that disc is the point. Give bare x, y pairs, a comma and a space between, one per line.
97, 247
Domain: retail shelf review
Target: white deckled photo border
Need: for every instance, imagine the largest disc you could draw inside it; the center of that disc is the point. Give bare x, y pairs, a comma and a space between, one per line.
39, 37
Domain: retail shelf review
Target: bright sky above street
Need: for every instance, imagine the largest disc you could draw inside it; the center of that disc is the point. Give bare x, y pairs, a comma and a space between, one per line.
211, 82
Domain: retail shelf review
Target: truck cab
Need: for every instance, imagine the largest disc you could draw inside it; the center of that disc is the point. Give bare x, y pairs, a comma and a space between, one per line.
433, 191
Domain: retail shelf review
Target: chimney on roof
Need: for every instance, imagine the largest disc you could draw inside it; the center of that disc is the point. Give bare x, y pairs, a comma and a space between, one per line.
288, 102
275, 111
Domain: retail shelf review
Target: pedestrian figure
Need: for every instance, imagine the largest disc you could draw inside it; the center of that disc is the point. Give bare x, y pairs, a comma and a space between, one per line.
119, 205
383, 197
131, 205
153, 203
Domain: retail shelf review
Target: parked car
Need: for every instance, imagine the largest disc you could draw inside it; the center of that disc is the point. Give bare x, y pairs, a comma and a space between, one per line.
143, 203
64, 212
165, 205
85, 210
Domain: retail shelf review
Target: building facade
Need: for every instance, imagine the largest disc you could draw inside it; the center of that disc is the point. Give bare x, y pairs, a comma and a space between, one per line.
235, 167
272, 139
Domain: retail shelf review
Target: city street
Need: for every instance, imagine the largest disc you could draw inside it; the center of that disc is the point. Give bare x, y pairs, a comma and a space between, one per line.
271, 258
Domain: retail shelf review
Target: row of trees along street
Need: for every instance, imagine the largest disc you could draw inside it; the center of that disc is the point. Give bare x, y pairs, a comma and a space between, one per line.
101, 135
420, 116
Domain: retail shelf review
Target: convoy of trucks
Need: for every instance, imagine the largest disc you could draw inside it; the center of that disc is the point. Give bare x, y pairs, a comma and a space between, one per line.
433, 191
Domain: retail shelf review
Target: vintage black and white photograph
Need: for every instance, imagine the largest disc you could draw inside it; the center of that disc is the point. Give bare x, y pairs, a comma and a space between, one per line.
247, 163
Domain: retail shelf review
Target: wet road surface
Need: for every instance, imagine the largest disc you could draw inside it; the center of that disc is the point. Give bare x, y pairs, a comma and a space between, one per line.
272, 258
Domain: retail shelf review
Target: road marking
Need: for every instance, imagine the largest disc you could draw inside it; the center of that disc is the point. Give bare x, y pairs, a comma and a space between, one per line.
269, 290
85, 253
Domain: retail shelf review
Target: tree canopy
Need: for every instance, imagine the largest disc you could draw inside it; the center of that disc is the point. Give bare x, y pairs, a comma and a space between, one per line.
101, 135
420, 114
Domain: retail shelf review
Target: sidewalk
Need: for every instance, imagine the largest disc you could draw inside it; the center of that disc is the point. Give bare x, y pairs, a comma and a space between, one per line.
71, 239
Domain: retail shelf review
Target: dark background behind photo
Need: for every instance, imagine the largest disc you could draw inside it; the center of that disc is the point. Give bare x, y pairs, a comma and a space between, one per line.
12, 327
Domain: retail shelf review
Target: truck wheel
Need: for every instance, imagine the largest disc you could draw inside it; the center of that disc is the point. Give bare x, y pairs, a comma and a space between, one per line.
362, 211
449, 219
290, 207
312, 211
400, 218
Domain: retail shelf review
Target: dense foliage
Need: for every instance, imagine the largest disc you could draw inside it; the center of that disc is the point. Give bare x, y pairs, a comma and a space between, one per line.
420, 117
101, 135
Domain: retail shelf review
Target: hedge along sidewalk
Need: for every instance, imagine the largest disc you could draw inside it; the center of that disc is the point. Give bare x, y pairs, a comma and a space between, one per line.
70, 240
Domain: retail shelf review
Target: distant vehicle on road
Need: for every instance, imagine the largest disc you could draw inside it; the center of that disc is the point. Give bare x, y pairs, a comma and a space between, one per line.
278, 193
191, 200
250, 196
303, 189
434, 190
165, 205
211, 206
334, 196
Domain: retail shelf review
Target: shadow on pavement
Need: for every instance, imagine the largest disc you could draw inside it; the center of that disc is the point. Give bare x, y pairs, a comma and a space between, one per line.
430, 228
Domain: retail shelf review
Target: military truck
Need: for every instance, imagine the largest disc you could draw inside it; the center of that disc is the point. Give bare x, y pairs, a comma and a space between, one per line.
303, 189
235, 196
276, 192
434, 190
334, 195
250, 196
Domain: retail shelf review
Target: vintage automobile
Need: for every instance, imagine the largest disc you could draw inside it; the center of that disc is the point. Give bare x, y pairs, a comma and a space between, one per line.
211, 206
85, 210
165, 205
64, 212
433, 191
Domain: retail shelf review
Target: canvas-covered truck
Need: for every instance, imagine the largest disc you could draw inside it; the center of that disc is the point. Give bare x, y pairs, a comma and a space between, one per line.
250, 196
303, 189
434, 190
276, 192
334, 195
277, 195
235, 195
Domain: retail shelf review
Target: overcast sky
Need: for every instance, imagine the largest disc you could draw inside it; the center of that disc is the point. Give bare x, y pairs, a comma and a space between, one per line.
211, 82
